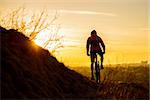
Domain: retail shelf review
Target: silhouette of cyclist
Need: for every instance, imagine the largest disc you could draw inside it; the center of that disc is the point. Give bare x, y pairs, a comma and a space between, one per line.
95, 43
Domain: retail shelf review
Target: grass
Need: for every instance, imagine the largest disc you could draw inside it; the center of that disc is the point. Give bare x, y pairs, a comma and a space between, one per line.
122, 81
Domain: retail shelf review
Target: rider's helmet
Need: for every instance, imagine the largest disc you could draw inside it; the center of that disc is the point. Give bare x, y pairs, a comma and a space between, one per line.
93, 32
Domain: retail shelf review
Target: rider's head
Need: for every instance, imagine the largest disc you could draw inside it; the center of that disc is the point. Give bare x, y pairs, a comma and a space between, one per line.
93, 32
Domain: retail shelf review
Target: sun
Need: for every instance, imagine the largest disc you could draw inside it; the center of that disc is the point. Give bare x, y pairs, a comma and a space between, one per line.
49, 39
42, 37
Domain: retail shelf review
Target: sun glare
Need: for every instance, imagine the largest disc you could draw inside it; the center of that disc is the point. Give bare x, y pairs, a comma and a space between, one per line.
38, 42
41, 38
50, 39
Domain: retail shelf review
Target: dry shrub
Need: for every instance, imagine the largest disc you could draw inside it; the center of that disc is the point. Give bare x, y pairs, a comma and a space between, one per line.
31, 23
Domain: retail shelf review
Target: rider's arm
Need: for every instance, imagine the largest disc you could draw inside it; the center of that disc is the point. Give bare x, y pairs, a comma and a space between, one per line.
87, 46
102, 43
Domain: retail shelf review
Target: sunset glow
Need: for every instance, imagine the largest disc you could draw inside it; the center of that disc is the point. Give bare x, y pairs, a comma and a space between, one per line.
122, 24
41, 38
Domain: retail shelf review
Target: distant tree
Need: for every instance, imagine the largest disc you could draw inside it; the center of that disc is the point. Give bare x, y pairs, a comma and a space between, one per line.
31, 24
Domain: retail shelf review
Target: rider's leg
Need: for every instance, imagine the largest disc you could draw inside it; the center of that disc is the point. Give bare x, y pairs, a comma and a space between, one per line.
92, 70
102, 58
92, 65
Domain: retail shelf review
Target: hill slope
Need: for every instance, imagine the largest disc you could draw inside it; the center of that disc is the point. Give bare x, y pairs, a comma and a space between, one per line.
28, 71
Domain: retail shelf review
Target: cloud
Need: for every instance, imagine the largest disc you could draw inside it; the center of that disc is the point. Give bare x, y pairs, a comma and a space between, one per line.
145, 29
70, 43
86, 12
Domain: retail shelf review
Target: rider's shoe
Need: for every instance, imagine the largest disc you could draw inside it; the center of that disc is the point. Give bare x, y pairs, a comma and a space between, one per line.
102, 67
92, 78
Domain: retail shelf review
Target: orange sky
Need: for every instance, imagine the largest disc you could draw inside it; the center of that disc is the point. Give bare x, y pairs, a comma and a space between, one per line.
122, 24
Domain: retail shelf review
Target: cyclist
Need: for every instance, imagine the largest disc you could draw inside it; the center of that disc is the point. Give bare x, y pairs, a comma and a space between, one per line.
95, 43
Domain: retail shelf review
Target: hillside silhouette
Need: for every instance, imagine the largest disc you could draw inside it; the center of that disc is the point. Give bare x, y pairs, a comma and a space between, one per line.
28, 71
